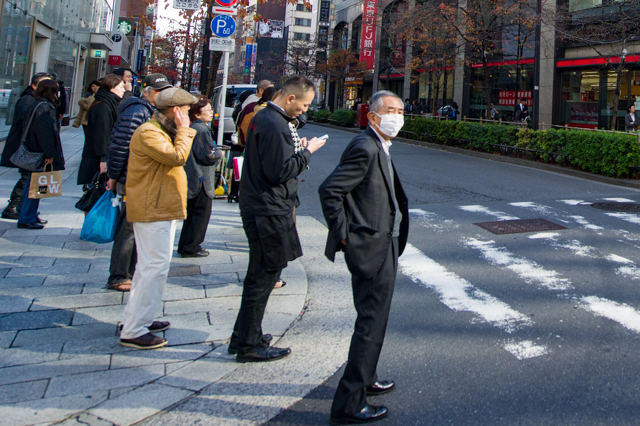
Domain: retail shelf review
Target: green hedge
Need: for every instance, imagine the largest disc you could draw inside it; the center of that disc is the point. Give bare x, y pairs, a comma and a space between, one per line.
344, 117
321, 116
609, 154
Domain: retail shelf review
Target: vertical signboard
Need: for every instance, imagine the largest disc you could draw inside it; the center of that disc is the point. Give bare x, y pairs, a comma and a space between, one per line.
325, 13
368, 38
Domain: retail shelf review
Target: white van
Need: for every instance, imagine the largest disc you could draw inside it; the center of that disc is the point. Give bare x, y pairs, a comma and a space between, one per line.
233, 93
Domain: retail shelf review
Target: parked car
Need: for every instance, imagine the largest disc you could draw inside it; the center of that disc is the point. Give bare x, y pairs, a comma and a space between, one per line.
233, 93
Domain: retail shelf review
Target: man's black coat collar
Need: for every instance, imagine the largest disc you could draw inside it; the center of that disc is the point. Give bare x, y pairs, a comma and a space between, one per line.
279, 111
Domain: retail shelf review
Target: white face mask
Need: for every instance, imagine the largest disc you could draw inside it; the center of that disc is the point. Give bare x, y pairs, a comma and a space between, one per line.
390, 124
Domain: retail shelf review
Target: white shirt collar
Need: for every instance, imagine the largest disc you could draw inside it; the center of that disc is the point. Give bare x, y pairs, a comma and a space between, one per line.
385, 144
280, 108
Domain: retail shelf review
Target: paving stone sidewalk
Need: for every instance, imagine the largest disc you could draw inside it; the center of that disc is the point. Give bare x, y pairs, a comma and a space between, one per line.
60, 358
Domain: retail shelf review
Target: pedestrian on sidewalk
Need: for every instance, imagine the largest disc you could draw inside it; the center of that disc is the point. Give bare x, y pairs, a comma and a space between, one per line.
274, 157
368, 218
82, 119
62, 99
238, 148
12, 143
102, 116
42, 136
156, 191
132, 113
201, 180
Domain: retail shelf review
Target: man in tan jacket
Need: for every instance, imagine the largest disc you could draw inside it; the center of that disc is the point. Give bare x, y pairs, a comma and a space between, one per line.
156, 191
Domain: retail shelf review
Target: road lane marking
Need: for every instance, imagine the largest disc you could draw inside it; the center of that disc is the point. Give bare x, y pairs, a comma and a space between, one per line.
484, 210
628, 217
571, 202
619, 200
525, 349
459, 294
585, 224
619, 312
526, 269
434, 221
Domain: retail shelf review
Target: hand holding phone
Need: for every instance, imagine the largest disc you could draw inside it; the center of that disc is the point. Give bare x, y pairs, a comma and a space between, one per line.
323, 137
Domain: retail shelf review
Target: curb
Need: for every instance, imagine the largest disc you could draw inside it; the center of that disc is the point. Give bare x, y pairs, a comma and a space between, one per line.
629, 183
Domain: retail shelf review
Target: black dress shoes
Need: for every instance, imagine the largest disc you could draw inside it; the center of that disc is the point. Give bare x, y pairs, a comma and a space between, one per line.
42, 221
201, 253
11, 212
233, 344
381, 387
370, 413
32, 225
264, 355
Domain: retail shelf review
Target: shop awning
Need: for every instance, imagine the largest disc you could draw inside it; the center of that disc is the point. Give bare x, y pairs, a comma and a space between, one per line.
101, 41
589, 62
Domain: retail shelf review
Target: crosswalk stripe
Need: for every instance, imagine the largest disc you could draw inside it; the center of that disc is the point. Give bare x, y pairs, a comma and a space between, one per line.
627, 217
484, 210
618, 312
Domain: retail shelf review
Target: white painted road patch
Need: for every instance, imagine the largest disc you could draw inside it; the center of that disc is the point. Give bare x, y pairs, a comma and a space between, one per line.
525, 349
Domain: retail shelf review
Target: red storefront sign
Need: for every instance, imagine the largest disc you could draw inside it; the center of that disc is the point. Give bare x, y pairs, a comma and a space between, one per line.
368, 38
508, 97
114, 60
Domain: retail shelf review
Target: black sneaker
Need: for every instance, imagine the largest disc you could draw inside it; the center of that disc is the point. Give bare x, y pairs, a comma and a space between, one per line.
264, 355
233, 344
146, 341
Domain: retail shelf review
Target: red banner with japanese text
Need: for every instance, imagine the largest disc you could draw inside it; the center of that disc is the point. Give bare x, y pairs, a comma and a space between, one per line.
368, 37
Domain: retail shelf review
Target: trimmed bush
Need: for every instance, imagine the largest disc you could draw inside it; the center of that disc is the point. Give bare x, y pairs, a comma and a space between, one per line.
609, 154
344, 117
321, 116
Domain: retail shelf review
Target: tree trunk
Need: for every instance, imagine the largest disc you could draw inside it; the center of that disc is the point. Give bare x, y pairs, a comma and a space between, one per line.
213, 72
487, 85
186, 54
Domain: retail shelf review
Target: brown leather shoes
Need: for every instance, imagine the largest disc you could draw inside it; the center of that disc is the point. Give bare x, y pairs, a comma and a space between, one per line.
146, 341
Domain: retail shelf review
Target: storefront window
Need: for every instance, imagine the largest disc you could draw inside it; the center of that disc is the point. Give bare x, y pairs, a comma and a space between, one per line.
508, 84
432, 82
587, 97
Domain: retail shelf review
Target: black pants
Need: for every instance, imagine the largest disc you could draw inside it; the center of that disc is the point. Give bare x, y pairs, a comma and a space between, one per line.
123, 253
258, 285
16, 194
372, 299
194, 229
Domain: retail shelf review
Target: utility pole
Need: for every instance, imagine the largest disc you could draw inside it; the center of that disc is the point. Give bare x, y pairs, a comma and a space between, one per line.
206, 56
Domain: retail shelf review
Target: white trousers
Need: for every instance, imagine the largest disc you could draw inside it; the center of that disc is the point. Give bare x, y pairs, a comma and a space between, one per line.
154, 244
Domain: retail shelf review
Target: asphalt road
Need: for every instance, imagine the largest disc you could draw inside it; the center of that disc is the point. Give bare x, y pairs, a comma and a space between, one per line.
535, 328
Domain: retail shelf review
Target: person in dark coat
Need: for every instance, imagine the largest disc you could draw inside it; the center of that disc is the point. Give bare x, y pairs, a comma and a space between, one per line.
201, 181
631, 119
131, 114
42, 136
367, 214
274, 157
11, 144
102, 116
237, 149
521, 110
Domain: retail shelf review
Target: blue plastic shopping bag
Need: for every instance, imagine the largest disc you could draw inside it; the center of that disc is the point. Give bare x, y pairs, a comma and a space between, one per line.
100, 224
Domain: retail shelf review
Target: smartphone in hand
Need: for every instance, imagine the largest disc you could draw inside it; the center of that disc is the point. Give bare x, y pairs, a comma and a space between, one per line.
323, 137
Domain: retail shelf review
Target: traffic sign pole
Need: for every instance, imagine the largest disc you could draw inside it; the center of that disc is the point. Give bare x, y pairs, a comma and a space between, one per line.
223, 96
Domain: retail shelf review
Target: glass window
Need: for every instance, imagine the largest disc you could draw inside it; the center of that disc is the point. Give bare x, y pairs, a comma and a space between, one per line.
301, 36
581, 99
302, 8
303, 22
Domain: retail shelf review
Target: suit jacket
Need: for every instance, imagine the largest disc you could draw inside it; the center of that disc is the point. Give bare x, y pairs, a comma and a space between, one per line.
357, 205
628, 124
523, 112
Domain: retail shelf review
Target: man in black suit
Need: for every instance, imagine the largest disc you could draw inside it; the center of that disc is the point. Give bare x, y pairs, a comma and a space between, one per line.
368, 218
521, 110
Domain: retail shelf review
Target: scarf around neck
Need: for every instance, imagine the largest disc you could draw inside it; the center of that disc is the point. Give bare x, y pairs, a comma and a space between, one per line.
168, 125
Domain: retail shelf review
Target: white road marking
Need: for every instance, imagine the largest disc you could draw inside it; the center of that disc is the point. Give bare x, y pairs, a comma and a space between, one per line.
526, 269
618, 259
433, 221
544, 236
619, 200
525, 349
585, 224
484, 210
539, 208
628, 217
459, 294
571, 202
618, 312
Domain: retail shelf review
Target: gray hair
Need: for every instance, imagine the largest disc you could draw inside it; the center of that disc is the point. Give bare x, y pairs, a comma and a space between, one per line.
375, 103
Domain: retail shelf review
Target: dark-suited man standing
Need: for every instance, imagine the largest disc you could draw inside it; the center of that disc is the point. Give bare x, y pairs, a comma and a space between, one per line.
521, 110
368, 217
274, 156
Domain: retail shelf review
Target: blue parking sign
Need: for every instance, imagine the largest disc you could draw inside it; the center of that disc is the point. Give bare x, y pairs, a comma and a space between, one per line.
223, 26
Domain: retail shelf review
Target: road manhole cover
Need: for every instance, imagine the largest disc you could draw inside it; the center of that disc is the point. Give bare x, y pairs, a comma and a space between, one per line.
519, 226
618, 207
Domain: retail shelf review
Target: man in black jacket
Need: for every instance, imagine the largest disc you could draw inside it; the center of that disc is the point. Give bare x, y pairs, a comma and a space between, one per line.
274, 157
368, 218
12, 143
132, 113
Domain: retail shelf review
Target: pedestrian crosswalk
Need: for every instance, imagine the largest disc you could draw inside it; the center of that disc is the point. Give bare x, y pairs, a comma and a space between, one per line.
593, 266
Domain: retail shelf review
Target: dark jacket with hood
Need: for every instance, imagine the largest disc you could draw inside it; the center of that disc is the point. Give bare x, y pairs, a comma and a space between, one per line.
102, 116
273, 160
132, 113
19, 116
43, 135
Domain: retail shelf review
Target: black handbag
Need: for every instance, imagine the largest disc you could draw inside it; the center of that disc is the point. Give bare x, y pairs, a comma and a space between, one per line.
92, 192
23, 158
